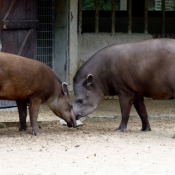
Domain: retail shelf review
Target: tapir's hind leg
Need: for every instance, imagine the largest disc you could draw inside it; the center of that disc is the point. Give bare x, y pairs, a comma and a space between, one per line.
141, 110
173, 98
22, 110
33, 111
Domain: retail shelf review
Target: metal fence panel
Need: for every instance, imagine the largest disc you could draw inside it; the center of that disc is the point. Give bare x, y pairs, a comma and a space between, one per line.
45, 32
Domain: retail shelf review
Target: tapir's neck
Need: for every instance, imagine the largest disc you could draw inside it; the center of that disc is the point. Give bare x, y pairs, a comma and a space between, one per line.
56, 90
101, 71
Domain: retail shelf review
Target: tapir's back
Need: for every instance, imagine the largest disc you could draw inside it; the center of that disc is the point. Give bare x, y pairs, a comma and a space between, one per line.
152, 67
21, 77
146, 67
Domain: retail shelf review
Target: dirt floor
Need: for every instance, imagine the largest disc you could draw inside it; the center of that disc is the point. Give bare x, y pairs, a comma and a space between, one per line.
94, 148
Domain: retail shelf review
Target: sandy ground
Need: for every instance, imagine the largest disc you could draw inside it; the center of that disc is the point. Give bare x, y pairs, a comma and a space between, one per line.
94, 148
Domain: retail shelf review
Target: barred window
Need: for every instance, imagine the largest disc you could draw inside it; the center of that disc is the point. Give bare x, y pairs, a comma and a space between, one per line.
169, 5
127, 16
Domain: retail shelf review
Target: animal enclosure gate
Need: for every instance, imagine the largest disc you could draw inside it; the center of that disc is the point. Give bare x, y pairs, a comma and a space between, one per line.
38, 39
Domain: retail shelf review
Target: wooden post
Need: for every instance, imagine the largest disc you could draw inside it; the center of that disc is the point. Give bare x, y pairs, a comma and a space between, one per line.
163, 18
97, 16
146, 16
129, 16
113, 4
80, 16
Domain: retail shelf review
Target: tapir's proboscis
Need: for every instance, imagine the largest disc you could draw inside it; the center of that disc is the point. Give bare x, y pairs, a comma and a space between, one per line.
31, 82
130, 70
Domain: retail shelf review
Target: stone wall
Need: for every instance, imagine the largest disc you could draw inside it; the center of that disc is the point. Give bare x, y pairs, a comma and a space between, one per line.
89, 43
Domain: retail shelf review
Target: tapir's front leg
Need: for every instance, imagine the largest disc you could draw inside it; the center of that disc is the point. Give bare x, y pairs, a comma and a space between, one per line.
33, 111
22, 110
125, 105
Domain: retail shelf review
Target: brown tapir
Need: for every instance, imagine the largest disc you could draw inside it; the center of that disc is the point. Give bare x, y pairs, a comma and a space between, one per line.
132, 71
28, 81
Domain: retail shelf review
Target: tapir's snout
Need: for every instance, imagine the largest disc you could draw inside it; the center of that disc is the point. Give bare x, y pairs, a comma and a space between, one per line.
73, 122
69, 125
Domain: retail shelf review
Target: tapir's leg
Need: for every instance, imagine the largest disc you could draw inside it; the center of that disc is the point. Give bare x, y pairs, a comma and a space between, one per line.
33, 111
125, 105
22, 110
141, 110
174, 98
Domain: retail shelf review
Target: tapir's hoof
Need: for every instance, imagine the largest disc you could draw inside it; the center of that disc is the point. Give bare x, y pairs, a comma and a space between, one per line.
121, 129
22, 129
36, 132
148, 128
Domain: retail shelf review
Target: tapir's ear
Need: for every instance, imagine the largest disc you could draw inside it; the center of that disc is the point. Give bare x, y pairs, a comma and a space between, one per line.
90, 79
64, 88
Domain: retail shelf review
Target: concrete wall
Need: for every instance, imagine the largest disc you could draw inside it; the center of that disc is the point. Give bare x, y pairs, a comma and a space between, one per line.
73, 40
61, 61
89, 43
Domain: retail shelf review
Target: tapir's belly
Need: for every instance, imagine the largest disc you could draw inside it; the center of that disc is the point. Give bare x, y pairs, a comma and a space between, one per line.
12, 93
159, 87
157, 94
14, 89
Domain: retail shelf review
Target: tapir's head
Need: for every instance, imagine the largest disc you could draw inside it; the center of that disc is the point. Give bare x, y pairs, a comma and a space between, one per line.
62, 107
87, 96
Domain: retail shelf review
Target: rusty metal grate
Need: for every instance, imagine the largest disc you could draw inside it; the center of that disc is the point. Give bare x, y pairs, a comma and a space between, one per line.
45, 34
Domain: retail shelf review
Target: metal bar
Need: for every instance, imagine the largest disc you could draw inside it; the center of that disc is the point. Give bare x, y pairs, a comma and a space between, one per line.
80, 16
129, 16
146, 17
113, 15
97, 4
163, 18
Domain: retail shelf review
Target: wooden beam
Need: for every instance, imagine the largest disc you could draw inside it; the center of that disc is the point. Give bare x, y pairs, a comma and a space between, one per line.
163, 18
80, 7
97, 4
129, 16
20, 24
113, 4
146, 17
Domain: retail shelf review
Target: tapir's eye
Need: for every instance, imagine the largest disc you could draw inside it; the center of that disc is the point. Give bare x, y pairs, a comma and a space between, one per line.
80, 101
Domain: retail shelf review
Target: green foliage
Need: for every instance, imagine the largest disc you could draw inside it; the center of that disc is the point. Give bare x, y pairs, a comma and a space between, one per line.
88, 5
104, 4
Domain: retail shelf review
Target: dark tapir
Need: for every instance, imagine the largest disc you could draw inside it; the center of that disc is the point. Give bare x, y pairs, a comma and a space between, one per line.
132, 71
31, 82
